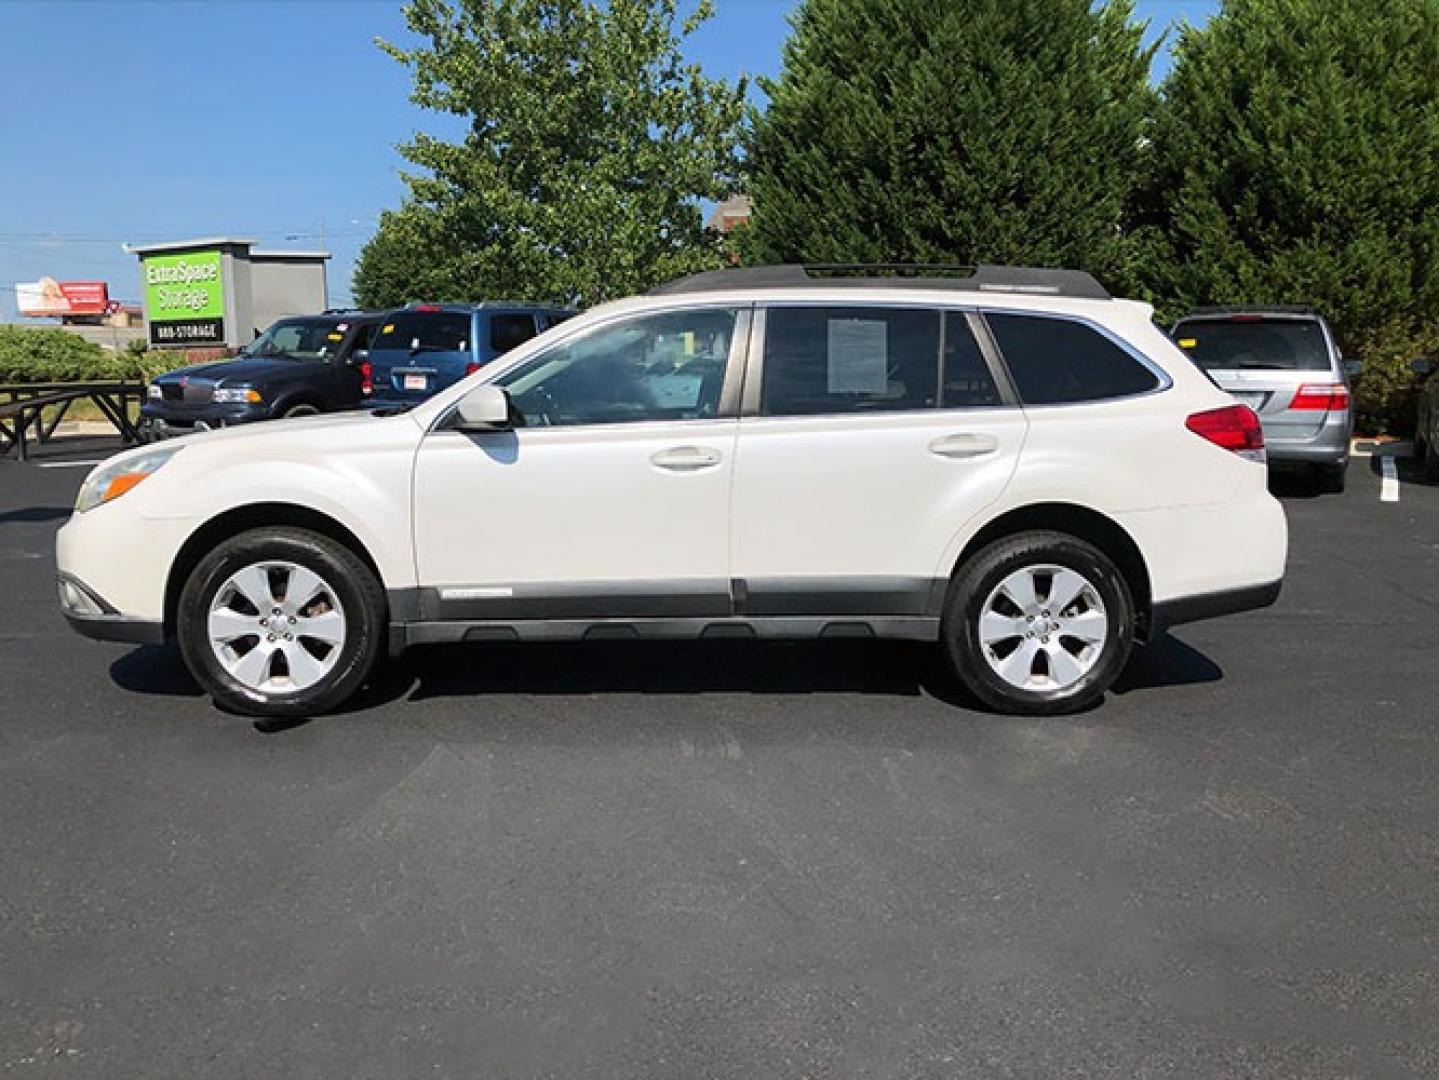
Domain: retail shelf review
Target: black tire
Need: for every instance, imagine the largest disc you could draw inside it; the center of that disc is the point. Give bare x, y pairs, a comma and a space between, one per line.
300, 409
1330, 479
358, 594
980, 576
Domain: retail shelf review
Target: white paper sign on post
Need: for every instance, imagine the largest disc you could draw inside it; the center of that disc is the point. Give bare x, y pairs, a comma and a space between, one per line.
858, 356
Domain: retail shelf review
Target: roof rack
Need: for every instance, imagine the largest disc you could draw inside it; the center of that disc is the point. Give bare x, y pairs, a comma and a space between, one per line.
1035, 281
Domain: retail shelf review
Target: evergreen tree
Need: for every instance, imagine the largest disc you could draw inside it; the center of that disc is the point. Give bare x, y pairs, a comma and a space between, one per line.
1297, 161
1005, 131
590, 145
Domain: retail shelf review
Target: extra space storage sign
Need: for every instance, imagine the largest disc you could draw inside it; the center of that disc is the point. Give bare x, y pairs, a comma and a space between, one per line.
185, 299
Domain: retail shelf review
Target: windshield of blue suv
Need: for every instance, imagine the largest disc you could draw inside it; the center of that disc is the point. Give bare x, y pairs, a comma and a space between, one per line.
299, 339
1253, 342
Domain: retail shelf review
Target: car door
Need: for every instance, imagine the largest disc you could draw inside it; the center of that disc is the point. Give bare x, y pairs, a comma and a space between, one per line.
870, 435
609, 497
344, 390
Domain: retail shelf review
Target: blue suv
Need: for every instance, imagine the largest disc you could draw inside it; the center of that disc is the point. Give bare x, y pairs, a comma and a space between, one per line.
424, 348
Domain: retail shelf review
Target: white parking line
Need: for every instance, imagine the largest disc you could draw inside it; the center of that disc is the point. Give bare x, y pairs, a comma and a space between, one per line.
1389, 487
70, 464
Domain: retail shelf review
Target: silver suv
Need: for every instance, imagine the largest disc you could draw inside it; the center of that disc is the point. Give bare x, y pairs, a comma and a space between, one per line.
1284, 363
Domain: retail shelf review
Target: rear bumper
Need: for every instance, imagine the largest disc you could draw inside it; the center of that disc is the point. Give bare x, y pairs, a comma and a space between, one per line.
1328, 446
1188, 609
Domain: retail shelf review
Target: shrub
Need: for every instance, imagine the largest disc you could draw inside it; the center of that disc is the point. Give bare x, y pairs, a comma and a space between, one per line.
47, 354
1386, 391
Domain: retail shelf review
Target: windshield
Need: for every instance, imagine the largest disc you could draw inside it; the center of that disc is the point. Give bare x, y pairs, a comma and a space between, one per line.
299, 339
1254, 342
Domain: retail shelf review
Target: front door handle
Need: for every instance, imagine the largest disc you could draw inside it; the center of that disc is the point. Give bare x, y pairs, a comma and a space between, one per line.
964, 444
686, 458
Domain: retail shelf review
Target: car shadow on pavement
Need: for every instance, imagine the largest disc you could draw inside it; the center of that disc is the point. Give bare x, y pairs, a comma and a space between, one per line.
155, 669
32, 514
894, 669
1166, 661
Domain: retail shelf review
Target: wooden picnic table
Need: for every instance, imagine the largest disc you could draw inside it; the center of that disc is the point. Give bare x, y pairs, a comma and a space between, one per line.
22, 407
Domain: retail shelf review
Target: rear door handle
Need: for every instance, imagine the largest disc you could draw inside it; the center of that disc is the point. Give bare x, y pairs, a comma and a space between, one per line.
686, 458
964, 444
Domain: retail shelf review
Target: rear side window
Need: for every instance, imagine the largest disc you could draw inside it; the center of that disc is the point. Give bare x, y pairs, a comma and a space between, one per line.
509, 330
1060, 361
1249, 342
865, 359
439, 331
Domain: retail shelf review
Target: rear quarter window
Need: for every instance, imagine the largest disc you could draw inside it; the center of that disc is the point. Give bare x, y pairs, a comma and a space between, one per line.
508, 329
1057, 361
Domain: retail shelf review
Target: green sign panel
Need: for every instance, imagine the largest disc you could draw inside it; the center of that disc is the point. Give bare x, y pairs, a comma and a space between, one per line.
184, 298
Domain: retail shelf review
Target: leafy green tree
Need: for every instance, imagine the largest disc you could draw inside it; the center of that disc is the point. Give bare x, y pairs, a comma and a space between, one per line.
1007, 131
409, 258
589, 146
1297, 161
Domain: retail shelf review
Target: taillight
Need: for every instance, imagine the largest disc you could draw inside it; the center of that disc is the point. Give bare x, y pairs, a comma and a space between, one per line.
471, 368
1233, 427
367, 378
1322, 397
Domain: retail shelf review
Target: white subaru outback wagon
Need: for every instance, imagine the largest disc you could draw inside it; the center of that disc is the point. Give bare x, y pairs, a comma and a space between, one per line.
1009, 463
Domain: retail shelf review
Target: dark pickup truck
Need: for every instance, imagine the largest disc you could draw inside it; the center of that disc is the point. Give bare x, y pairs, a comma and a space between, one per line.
299, 366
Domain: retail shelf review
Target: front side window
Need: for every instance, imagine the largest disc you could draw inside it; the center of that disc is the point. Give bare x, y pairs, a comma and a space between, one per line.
669, 366
426, 331
510, 329
1062, 361
826, 360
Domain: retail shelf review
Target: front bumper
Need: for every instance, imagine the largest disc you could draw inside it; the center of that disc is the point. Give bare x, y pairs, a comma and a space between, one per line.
158, 422
90, 614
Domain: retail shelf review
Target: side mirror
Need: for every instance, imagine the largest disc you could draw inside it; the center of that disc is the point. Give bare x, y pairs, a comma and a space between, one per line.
1423, 367
485, 408
1352, 368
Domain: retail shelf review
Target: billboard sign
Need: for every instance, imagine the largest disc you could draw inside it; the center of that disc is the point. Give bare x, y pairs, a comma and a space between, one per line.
185, 298
48, 297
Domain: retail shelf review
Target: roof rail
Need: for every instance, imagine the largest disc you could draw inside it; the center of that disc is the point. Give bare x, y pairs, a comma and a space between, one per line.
1253, 309
1034, 281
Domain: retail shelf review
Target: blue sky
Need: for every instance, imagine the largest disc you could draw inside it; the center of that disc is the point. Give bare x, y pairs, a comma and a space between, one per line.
278, 119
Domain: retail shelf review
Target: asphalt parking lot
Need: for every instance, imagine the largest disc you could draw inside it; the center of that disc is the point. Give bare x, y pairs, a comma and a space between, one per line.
736, 860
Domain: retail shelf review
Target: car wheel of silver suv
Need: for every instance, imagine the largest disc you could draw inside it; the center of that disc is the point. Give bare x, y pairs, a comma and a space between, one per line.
280, 622
1039, 623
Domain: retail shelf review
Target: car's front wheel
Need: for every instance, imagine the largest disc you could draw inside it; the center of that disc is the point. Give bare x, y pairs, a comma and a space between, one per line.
280, 622
1039, 623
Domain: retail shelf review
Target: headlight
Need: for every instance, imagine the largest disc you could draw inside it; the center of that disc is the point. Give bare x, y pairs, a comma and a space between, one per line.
236, 396
154, 393
112, 480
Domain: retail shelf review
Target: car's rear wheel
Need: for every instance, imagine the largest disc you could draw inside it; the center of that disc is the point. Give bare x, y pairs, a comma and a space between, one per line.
1039, 623
280, 622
